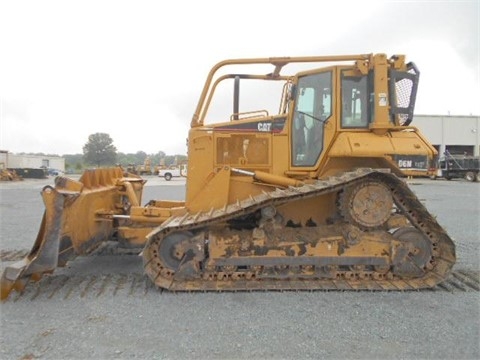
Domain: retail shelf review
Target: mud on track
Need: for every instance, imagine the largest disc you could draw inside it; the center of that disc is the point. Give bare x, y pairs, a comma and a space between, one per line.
71, 283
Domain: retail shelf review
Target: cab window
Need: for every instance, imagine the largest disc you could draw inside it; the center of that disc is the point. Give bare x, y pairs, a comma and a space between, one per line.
355, 101
313, 108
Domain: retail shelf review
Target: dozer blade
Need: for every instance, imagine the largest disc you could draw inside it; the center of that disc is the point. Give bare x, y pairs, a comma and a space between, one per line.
71, 223
43, 257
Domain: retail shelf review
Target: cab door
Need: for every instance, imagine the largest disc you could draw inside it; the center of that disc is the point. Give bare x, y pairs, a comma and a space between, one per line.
313, 109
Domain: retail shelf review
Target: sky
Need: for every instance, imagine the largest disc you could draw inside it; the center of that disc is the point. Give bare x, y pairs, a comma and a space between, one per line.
135, 69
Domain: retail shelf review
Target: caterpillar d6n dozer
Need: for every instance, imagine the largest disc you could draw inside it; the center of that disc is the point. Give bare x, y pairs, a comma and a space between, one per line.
306, 197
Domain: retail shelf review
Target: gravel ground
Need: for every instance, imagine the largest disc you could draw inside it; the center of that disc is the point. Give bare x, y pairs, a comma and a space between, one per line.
141, 322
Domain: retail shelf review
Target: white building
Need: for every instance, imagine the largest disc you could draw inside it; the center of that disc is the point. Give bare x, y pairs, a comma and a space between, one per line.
14, 161
460, 135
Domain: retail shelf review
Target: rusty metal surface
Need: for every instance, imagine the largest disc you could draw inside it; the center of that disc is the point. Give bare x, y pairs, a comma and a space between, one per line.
186, 274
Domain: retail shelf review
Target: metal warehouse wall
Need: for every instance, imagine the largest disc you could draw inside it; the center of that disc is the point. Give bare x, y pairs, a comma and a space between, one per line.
449, 132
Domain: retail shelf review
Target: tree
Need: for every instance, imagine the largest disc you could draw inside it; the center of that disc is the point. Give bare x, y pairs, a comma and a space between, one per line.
73, 162
140, 157
174, 159
156, 158
99, 150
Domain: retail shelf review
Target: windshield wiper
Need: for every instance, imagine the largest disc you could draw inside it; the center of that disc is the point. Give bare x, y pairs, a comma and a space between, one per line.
313, 117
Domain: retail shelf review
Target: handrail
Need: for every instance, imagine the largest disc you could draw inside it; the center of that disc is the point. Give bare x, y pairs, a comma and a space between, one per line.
277, 62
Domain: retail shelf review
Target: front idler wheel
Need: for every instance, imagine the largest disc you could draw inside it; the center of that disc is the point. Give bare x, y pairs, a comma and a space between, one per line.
416, 252
170, 251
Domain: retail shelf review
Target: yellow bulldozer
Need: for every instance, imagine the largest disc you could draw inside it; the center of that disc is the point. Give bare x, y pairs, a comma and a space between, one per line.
309, 196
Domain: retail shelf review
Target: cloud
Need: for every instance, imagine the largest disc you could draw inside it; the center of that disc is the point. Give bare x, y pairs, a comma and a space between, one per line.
136, 70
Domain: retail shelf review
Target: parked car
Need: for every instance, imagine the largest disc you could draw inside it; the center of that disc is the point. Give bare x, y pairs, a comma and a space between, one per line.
54, 172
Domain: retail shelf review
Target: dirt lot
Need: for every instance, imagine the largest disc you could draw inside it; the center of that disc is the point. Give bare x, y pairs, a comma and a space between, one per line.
102, 307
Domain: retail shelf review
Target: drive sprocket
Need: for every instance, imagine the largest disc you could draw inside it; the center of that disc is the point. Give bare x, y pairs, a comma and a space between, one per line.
367, 204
